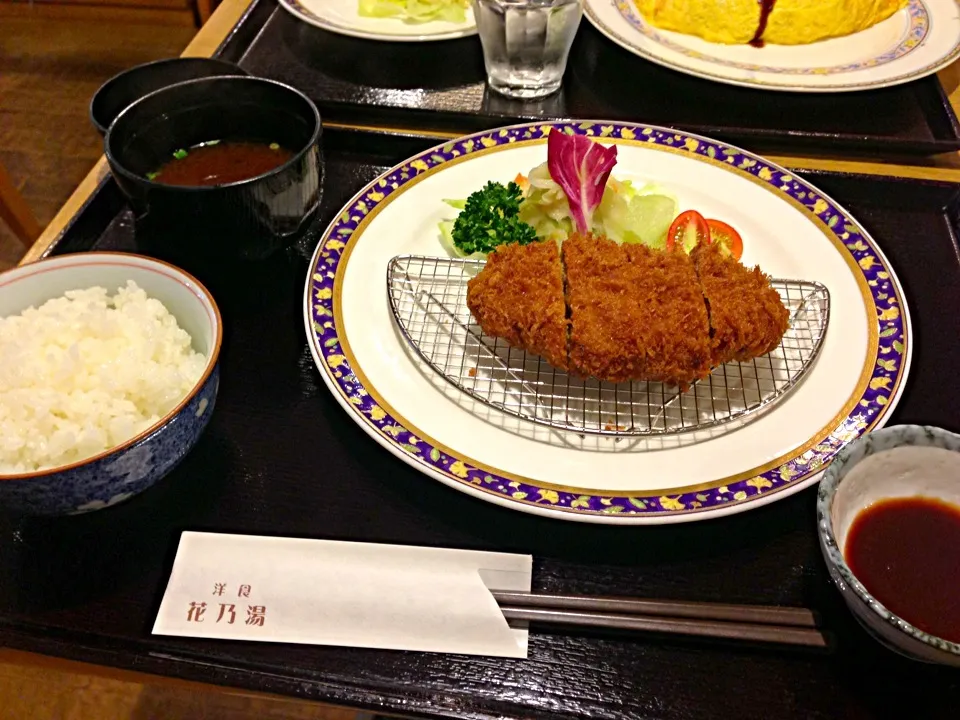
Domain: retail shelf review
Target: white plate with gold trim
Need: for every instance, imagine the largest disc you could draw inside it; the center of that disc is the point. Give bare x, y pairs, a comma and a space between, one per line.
789, 228
913, 43
343, 17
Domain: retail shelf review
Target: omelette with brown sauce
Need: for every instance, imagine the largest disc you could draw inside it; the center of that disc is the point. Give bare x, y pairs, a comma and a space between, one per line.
780, 22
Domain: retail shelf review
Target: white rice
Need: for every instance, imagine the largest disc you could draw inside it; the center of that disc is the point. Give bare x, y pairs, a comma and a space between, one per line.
86, 372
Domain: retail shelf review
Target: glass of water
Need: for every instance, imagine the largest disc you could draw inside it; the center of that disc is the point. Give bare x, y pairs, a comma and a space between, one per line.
526, 43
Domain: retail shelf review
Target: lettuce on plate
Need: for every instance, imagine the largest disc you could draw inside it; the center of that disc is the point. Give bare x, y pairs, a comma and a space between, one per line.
626, 214
416, 11
574, 192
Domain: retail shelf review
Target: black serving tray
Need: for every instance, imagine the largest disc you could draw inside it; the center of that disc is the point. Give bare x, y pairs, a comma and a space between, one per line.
440, 85
281, 457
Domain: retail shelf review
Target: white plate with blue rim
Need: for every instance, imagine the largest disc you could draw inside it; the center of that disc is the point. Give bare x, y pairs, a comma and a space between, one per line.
914, 42
343, 17
789, 228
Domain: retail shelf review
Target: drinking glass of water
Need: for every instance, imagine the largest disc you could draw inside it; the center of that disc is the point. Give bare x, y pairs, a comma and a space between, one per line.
526, 43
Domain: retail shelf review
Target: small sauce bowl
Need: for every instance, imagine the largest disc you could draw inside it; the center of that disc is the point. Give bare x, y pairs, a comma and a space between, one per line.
843, 495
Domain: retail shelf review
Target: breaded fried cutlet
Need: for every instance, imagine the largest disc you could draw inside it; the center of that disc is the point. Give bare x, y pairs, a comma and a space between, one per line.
635, 313
626, 312
747, 316
518, 296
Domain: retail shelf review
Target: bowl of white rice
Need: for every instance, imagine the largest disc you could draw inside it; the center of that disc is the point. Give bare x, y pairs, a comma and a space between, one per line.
108, 377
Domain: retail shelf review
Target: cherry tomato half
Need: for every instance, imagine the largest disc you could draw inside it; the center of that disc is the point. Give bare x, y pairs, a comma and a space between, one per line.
688, 231
728, 238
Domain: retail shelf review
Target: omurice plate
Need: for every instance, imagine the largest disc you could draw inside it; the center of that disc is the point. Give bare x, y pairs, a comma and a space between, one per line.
788, 45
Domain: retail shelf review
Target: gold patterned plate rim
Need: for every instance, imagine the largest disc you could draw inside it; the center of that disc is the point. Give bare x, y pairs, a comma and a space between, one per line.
876, 394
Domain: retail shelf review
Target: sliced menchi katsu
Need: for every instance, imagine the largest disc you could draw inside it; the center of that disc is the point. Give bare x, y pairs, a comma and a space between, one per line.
747, 315
635, 313
518, 296
625, 312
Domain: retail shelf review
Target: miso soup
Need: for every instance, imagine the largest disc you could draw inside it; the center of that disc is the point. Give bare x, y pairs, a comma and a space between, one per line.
220, 163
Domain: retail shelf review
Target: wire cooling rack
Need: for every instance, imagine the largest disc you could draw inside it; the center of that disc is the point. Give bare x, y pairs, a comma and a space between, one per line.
429, 300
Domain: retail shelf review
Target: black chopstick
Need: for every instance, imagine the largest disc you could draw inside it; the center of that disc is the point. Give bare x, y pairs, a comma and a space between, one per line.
753, 614
765, 624
778, 634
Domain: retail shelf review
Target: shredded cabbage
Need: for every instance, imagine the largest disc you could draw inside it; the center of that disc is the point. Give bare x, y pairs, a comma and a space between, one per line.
416, 11
625, 214
546, 207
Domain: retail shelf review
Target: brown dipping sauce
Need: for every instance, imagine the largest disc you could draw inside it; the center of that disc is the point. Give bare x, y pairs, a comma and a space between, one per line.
766, 7
906, 552
221, 163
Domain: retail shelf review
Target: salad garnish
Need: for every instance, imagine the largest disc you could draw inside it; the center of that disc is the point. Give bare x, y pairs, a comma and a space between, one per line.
691, 229
729, 239
489, 218
581, 168
574, 191
687, 231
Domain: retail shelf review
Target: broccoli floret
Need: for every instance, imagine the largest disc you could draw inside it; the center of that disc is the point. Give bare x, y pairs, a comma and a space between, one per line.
490, 218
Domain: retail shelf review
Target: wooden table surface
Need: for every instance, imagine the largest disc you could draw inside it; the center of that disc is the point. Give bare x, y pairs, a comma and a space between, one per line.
942, 167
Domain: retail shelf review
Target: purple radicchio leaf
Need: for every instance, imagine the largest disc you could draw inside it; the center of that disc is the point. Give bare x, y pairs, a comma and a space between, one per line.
581, 167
